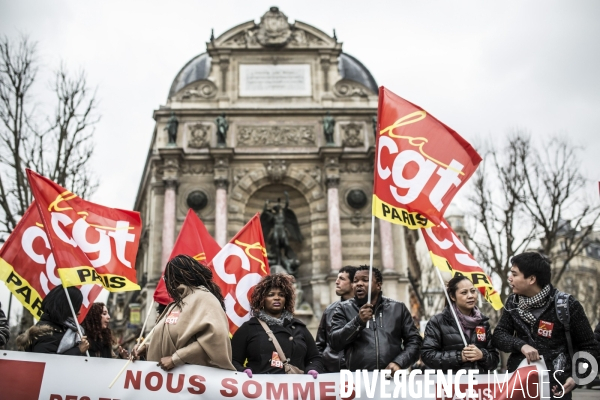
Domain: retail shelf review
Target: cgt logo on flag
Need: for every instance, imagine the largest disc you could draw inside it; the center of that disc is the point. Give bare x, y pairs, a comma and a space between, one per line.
91, 244
420, 164
545, 329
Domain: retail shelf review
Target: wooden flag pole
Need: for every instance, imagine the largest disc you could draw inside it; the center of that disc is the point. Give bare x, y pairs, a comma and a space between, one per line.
74, 316
143, 328
462, 335
130, 359
371, 262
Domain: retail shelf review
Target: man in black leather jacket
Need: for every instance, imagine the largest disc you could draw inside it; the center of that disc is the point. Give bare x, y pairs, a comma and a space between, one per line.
529, 327
391, 341
4, 330
333, 361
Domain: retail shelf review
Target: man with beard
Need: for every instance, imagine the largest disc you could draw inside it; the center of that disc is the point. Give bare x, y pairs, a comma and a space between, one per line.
530, 327
390, 342
333, 361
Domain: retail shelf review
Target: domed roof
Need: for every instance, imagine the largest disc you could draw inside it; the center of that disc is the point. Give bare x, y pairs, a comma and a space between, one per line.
354, 70
198, 68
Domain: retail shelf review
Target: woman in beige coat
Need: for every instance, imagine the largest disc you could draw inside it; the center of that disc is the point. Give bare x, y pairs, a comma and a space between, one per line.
193, 329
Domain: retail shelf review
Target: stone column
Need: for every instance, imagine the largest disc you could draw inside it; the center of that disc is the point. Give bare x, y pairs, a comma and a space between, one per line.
171, 157
168, 230
333, 216
387, 245
221, 211
221, 157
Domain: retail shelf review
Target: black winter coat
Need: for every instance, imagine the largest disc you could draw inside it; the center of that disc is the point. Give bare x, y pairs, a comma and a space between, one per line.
49, 340
392, 338
512, 333
597, 333
442, 345
333, 361
251, 342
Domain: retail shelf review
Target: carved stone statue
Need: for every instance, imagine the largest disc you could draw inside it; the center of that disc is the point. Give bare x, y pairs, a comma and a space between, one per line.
328, 125
171, 128
280, 226
222, 127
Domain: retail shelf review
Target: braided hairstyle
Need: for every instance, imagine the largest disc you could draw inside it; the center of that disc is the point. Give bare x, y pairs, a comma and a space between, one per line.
185, 270
282, 282
93, 325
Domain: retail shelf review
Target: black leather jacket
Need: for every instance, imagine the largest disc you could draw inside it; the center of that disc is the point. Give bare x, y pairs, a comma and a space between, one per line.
443, 344
333, 361
392, 337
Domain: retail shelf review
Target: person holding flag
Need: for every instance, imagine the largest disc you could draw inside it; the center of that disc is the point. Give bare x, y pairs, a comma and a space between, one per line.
443, 347
194, 328
56, 331
391, 341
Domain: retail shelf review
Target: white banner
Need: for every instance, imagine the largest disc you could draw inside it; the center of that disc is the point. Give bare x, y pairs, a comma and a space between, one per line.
25, 376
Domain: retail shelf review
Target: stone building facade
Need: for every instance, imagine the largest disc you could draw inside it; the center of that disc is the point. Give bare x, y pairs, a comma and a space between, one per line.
274, 83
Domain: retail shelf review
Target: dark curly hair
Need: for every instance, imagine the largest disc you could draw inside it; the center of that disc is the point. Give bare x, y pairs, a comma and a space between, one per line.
283, 282
93, 325
185, 270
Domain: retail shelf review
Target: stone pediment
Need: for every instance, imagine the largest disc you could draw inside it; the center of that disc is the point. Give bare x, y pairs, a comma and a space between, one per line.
273, 31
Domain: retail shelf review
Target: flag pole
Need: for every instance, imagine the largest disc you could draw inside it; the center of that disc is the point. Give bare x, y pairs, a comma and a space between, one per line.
74, 316
143, 328
371, 261
130, 359
462, 335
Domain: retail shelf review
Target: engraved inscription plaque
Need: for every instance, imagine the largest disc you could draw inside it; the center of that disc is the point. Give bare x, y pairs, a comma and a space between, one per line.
282, 80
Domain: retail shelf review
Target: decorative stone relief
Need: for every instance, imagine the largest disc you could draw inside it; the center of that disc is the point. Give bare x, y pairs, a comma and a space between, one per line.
239, 173
276, 170
204, 89
260, 136
189, 168
198, 135
354, 167
315, 173
345, 88
274, 30
353, 135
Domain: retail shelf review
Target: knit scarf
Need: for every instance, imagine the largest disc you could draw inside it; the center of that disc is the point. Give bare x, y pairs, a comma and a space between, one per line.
71, 338
529, 303
468, 322
269, 320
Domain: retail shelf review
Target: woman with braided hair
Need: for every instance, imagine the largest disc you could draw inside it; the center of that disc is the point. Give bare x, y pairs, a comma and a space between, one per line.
193, 329
99, 334
272, 305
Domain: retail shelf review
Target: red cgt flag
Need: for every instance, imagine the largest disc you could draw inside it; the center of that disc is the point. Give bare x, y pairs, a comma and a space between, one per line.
449, 254
28, 268
91, 243
193, 240
238, 267
420, 164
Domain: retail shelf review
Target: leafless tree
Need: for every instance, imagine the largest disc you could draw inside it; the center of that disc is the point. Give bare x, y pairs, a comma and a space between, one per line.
523, 197
58, 146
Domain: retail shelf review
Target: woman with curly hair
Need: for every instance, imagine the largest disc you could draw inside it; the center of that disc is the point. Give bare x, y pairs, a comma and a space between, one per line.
99, 334
193, 329
272, 305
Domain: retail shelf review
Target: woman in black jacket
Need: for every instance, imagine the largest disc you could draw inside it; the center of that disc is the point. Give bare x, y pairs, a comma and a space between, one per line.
273, 303
99, 334
56, 332
443, 347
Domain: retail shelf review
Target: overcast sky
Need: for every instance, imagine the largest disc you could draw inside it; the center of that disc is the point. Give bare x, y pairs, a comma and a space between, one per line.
483, 68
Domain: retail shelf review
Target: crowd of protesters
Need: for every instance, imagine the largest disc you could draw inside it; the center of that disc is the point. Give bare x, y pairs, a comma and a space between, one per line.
354, 333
